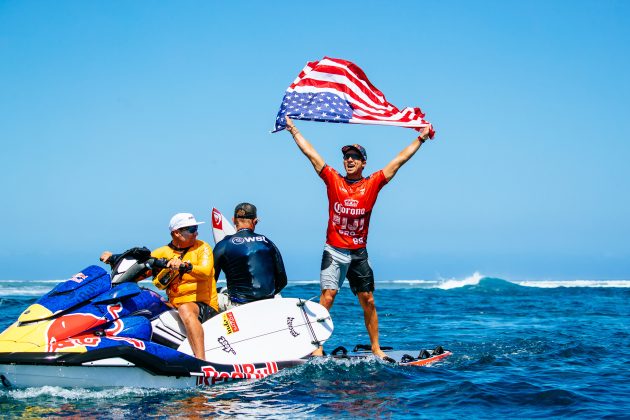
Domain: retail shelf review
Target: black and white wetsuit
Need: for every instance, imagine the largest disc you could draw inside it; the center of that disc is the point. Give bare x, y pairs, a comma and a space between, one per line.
252, 265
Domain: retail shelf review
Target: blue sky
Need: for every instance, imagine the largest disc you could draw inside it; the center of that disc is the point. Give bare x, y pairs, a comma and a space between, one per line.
116, 115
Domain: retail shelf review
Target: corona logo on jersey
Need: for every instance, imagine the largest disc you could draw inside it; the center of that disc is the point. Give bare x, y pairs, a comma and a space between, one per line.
245, 371
351, 203
349, 211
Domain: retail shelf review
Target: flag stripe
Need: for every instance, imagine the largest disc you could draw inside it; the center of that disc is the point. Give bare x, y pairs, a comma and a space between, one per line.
409, 124
409, 113
396, 117
356, 73
327, 72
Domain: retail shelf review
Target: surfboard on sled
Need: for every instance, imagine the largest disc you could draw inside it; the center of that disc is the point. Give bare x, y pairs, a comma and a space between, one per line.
272, 329
422, 357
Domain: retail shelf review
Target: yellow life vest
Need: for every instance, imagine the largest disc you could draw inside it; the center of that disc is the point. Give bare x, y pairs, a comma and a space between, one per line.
197, 285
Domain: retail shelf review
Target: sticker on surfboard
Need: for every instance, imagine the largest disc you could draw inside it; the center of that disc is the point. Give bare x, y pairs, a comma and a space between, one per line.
221, 226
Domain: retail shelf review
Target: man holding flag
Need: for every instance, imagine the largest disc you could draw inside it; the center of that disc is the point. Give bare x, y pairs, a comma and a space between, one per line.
351, 199
338, 91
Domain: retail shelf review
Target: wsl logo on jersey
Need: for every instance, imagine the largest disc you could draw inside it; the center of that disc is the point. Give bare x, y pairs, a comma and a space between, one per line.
241, 240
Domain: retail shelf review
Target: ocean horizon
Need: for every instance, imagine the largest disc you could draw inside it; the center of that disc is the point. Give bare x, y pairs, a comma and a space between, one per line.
14, 287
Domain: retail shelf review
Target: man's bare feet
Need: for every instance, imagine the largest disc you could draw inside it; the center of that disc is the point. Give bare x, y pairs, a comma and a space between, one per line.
379, 353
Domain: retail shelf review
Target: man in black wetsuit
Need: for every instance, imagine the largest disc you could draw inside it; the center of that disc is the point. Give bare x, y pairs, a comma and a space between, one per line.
252, 264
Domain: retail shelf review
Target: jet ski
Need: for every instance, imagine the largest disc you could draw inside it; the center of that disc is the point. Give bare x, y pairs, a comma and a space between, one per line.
102, 330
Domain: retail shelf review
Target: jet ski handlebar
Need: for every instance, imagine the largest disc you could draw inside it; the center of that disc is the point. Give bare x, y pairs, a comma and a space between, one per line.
137, 264
162, 263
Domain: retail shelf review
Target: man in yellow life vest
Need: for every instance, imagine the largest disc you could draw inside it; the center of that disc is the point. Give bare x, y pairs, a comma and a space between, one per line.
193, 289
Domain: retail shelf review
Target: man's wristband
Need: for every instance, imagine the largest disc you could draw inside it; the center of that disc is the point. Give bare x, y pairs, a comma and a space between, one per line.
421, 140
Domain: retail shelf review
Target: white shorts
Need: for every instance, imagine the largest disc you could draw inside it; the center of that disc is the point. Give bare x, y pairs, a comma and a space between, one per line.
335, 263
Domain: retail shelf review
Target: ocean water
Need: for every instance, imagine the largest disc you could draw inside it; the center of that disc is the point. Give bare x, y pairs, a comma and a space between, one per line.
521, 350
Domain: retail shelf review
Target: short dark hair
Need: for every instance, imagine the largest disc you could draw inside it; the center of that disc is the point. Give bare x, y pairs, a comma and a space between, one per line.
245, 211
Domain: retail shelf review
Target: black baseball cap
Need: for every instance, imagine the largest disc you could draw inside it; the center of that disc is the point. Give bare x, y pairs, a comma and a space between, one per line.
356, 147
245, 211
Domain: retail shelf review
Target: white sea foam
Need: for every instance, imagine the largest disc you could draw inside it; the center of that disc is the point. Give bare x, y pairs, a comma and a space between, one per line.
548, 284
448, 284
78, 393
23, 291
26, 287
302, 282
415, 282
31, 281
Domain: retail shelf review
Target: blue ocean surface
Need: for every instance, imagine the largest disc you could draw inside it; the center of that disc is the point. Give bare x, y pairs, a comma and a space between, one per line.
520, 350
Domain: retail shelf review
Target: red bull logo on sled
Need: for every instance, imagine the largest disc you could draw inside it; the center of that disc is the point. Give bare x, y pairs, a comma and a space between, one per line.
66, 333
244, 371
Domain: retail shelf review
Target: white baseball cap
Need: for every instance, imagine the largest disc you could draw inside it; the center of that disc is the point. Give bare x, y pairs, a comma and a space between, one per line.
181, 220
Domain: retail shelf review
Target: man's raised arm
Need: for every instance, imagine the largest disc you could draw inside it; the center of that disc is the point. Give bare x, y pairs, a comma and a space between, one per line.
306, 147
392, 167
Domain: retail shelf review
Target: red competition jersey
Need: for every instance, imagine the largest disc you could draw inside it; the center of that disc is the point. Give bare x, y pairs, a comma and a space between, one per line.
350, 207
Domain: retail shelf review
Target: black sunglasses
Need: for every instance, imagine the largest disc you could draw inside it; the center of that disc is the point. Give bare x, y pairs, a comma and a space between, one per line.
354, 156
190, 229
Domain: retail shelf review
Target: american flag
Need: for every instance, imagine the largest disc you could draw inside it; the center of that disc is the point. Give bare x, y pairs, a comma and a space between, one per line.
335, 90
